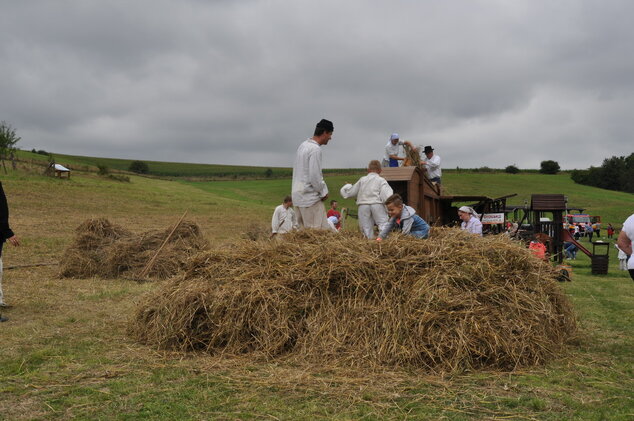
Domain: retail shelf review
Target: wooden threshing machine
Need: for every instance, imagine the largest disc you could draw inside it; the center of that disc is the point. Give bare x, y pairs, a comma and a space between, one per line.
426, 197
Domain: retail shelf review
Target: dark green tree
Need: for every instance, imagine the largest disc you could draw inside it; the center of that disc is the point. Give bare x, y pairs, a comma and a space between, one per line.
512, 169
139, 167
8, 140
549, 167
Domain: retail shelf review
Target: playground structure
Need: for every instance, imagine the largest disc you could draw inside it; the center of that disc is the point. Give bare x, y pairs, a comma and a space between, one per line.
553, 233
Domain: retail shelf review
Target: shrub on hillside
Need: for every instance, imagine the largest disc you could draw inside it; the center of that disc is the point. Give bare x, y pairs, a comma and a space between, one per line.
40, 152
511, 169
103, 170
484, 169
139, 167
549, 167
122, 178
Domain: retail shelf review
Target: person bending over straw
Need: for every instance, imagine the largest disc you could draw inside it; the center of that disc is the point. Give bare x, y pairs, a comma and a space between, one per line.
403, 218
371, 192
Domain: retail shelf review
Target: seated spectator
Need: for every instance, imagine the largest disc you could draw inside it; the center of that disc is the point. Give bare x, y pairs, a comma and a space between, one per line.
570, 249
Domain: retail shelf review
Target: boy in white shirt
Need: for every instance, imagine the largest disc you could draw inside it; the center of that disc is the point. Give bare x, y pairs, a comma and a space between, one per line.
371, 192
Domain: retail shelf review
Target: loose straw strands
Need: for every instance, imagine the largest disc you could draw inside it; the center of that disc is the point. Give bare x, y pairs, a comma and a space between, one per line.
452, 302
107, 250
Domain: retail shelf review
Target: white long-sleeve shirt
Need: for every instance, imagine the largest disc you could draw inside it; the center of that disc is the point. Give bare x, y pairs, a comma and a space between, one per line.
474, 226
284, 220
370, 190
308, 181
433, 166
628, 227
391, 149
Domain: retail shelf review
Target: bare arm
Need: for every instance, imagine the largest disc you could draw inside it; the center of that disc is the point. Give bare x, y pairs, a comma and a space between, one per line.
624, 243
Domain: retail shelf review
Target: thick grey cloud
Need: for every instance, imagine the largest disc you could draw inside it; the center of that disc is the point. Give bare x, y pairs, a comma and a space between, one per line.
487, 83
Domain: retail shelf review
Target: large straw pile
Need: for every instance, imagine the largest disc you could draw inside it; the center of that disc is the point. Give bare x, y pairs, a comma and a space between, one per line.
107, 250
452, 302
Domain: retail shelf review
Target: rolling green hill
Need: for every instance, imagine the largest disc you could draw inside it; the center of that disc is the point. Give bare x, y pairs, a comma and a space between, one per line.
251, 184
169, 169
612, 206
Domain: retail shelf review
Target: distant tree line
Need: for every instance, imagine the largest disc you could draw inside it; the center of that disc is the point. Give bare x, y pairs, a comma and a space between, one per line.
616, 173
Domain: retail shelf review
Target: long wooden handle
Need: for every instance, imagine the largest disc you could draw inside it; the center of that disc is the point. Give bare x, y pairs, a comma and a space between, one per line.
150, 264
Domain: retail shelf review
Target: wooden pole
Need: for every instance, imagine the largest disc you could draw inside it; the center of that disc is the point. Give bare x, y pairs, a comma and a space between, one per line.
150, 264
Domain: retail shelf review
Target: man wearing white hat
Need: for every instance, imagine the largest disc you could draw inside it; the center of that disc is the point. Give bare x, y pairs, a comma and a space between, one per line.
470, 221
393, 151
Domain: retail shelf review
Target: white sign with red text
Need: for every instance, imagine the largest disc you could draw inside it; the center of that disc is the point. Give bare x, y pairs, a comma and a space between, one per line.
492, 218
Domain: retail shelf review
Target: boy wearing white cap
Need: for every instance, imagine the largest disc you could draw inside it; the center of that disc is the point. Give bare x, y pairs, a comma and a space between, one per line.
470, 221
371, 192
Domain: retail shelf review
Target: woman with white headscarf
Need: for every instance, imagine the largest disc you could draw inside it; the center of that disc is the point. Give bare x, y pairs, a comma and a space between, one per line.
470, 220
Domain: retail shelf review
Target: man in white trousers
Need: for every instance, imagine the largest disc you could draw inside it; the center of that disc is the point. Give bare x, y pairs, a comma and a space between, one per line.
309, 189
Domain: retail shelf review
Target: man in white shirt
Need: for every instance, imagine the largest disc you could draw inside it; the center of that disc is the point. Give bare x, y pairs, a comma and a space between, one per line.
625, 242
432, 164
371, 191
309, 189
393, 151
284, 219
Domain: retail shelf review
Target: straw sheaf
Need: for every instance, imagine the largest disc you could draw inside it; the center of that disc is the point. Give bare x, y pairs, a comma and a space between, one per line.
452, 302
107, 250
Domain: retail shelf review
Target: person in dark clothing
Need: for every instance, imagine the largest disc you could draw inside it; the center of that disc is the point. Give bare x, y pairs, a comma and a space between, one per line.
5, 235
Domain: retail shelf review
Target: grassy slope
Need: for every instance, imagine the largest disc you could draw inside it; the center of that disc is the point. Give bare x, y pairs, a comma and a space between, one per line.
167, 169
612, 206
156, 167
65, 353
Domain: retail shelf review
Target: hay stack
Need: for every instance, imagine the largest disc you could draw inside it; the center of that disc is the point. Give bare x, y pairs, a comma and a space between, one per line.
452, 302
109, 251
412, 157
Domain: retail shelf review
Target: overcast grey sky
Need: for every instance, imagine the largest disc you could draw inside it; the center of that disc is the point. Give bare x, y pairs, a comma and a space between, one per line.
486, 83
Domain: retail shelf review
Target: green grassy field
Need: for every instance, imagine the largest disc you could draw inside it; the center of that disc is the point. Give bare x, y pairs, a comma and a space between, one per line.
612, 206
65, 352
